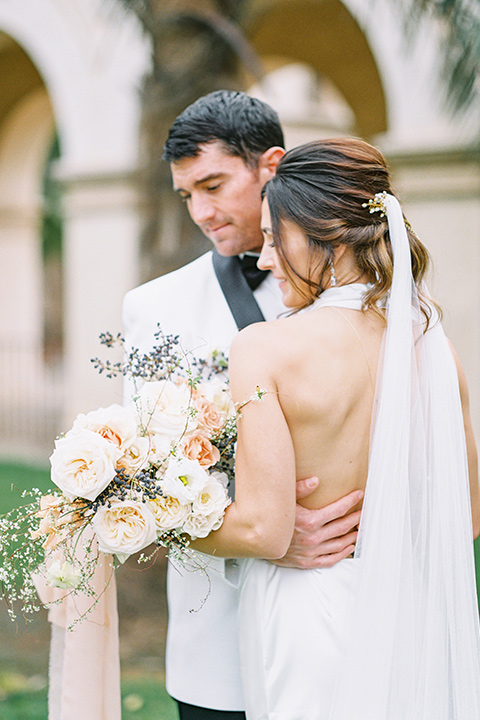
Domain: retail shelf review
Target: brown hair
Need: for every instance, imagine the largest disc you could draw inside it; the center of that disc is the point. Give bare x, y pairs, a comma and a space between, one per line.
321, 187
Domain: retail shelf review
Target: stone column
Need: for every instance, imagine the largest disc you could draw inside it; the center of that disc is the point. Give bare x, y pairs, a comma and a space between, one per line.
101, 239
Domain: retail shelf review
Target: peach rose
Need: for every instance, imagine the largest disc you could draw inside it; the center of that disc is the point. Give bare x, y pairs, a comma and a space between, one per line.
198, 447
209, 417
115, 423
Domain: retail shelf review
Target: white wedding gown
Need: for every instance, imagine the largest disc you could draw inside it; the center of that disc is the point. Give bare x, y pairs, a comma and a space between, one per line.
291, 622
291, 626
393, 633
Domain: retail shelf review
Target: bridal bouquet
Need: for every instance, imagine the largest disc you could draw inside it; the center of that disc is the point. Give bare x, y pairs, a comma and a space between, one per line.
155, 471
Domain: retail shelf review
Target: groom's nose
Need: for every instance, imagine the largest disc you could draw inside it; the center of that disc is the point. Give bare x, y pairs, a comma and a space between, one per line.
201, 209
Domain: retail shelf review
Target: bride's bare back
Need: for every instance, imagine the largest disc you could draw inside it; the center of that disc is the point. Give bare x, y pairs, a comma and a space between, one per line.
326, 382
323, 365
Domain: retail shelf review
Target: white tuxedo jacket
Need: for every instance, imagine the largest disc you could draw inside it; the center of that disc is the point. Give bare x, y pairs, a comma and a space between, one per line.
202, 664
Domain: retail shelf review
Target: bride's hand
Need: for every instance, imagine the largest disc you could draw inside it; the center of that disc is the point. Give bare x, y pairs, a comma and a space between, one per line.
322, 538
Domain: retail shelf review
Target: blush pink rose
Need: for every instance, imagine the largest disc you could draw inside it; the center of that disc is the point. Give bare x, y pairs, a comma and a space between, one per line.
198, 447
209, 416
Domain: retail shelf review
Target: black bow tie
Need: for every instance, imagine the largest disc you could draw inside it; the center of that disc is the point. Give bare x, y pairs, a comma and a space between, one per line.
252, 274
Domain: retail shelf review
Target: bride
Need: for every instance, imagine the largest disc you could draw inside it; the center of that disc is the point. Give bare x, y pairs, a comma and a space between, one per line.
359, 387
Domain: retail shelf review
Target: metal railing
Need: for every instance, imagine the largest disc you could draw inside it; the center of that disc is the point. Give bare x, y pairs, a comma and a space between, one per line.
31, 401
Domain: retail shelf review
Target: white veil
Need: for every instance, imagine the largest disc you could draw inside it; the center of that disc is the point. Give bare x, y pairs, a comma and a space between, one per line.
412, 642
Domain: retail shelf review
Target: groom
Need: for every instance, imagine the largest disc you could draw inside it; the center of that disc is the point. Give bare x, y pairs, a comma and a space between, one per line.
222, 149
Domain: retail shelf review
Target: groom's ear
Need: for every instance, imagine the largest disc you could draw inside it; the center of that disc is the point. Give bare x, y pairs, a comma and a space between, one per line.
268, 161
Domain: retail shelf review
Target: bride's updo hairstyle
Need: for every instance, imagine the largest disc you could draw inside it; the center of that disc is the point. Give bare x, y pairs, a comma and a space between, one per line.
322, 187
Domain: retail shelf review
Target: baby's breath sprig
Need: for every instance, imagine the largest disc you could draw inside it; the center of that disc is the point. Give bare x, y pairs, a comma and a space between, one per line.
259, 393
25, 543
257, 396
19, 556
175, 542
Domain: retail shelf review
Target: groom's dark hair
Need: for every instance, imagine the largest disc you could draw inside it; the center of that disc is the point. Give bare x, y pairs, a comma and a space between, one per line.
246, 127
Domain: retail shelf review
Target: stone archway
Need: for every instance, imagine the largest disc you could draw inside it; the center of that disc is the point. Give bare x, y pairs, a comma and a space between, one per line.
25, 137
30, 395
324, 35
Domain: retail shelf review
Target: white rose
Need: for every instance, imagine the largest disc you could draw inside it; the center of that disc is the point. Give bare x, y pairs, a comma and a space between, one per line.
211, 500
124, 528
83, 464
169, 512
220, 477
136, 456
63, 575
163, 407
183, 479
115, 423
199, 526
159, 447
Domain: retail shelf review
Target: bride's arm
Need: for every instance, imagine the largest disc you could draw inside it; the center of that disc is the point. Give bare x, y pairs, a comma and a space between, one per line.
471, 446
260, 522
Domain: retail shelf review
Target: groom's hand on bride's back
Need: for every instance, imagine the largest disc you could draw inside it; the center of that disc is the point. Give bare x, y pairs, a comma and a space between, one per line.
322, 538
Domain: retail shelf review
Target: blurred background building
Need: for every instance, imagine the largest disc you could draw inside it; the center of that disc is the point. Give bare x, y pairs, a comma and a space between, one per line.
88, 89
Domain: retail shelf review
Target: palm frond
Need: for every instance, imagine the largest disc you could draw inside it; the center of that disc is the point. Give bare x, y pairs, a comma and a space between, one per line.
196, 47
459, 22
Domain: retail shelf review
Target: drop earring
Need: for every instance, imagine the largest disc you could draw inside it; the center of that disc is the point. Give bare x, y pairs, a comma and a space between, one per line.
333, 277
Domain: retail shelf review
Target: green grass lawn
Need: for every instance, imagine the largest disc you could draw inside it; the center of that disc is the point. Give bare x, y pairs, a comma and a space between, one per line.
143, 698
14, 478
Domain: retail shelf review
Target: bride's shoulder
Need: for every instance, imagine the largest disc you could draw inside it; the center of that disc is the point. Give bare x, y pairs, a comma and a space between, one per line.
268, 338
257, 336
254, 355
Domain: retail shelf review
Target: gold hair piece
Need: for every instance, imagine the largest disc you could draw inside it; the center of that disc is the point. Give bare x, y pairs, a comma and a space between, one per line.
377, 204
